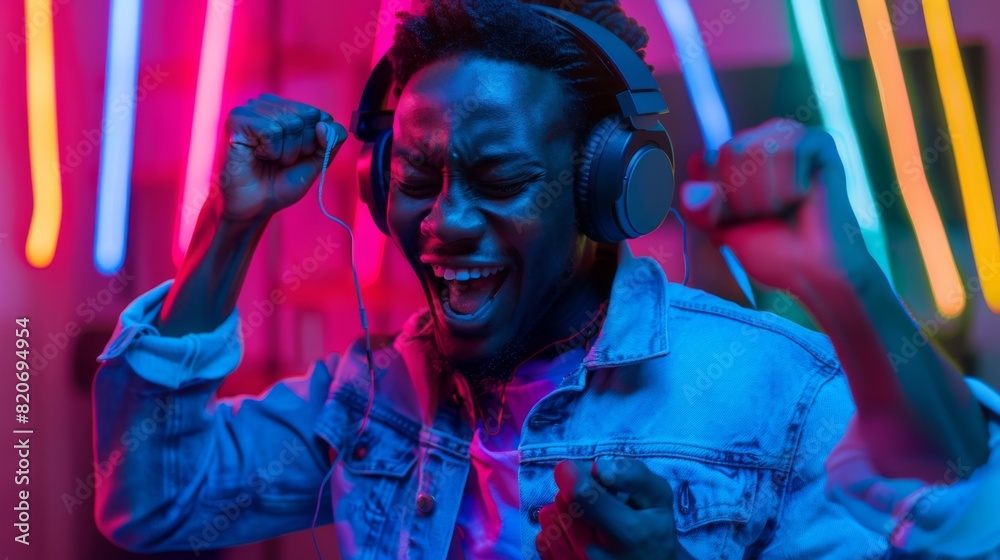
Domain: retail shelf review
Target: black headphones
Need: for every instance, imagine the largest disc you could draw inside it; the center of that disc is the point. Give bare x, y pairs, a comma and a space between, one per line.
625, 181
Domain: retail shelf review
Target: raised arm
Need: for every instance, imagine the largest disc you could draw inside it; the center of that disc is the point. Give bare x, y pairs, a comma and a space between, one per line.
179, 468
275, 151
791, 225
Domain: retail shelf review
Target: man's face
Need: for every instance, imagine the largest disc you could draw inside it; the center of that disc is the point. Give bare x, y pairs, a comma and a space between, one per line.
481, 202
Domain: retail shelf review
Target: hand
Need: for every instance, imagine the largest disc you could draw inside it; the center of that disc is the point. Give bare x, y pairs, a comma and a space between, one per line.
587, 520
276, 150
777, 196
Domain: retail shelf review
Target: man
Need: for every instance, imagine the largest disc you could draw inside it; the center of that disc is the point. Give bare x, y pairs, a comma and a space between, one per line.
559, 398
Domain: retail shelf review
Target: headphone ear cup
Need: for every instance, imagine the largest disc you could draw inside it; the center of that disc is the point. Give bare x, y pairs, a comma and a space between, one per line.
625, 181
373, 177
586, 177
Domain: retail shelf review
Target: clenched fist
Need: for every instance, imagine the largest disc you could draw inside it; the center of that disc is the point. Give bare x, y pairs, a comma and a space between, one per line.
777, 196
275, 152
609, 509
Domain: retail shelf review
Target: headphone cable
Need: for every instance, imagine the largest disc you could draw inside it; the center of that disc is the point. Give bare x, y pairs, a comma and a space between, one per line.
330, 143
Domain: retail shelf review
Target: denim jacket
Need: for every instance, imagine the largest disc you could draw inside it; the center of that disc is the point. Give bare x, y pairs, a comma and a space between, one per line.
737, 409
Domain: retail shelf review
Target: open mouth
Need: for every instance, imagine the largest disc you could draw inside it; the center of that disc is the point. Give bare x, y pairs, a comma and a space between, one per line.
466, 293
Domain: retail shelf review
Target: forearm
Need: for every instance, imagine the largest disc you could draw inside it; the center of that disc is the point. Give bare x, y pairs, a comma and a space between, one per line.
893, 368
212, 274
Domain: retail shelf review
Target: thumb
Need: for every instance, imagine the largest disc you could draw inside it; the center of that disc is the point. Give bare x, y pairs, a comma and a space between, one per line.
327, 130
305, 171
703, 204
701, 166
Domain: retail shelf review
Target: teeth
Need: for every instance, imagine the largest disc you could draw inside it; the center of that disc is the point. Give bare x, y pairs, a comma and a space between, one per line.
463, 274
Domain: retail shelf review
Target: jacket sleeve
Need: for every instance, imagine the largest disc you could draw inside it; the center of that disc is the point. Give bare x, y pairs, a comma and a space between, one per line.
953, 518
178, 468
808, 524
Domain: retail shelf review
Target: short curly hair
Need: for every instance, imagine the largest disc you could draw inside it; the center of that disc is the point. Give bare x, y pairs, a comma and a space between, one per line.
511, 30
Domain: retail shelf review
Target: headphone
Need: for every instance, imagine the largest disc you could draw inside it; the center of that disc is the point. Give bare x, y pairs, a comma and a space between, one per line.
625, 180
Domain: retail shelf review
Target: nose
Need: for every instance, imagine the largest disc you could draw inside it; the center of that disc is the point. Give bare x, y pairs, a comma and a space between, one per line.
455, 216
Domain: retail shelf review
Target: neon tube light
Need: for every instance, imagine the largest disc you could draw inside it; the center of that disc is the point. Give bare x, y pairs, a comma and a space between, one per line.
205, 127
115, 176
814, 33
946, 286
709, 107
698, 75
972, 174
43, 142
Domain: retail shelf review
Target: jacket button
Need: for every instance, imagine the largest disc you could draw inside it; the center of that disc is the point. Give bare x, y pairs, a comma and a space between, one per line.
533, 513
359, 452
425, 503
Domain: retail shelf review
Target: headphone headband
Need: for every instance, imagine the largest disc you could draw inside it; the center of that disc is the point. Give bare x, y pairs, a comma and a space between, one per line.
641, 101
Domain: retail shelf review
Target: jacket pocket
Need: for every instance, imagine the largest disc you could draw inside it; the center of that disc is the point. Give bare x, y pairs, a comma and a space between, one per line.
713, 504
379, 452
371, 473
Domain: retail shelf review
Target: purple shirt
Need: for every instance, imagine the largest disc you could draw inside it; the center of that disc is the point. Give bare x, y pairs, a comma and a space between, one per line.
487, 525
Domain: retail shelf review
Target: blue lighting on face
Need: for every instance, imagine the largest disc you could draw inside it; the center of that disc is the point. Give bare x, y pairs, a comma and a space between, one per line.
115, 175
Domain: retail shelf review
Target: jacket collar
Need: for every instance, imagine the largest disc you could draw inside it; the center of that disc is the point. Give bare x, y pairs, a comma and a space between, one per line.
635, 328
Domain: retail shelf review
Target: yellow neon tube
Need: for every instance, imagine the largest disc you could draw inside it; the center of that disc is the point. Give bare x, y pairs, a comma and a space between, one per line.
972, 174
946, 286
43, 144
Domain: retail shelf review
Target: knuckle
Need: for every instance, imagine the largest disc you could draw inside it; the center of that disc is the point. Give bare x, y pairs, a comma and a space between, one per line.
269, 128
311, 114
291, 122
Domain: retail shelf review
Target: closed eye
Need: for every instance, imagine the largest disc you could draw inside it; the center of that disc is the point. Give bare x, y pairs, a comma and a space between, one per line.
504, 189
509, 187
415, 189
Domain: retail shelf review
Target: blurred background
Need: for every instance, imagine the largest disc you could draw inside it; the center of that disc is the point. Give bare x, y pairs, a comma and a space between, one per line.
111, 116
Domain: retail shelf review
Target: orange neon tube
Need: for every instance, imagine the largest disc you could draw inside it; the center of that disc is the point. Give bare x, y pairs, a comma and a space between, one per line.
980, 212
946, 285
43, 142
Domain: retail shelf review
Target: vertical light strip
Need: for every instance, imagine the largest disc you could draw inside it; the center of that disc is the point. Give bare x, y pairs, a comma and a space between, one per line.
43, 142
698, 74
706, 98
946, 286
973, 177
115, 176
371, 241
205, 127
821, 60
